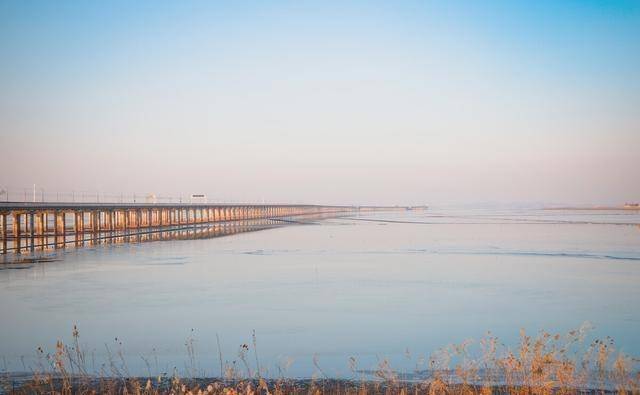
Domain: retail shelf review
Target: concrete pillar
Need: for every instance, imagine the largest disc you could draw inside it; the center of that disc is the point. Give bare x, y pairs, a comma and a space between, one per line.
56, 223
59, 229
96, 221
32, 231
3, 224
38, 224
17, 229
79, 226
91, 220
45, 220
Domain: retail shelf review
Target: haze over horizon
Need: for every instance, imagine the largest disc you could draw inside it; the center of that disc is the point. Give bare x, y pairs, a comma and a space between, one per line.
324, 102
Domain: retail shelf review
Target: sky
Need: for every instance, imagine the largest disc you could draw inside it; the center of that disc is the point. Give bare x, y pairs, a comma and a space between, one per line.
400, 102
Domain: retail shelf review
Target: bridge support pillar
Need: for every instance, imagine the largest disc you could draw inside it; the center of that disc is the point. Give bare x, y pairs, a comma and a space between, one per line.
58, 228
17, 228
3, 224
32, 232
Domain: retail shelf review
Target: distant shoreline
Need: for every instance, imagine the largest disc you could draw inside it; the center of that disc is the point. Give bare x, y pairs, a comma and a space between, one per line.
594, 208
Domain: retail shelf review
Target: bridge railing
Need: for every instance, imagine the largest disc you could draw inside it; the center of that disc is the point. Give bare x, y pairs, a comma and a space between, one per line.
42, 195
26, 195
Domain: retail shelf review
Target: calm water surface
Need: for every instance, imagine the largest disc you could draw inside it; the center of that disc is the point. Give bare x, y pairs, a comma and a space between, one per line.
371, 287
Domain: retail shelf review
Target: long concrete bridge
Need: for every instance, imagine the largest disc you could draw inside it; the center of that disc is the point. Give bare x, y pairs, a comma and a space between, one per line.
26, 227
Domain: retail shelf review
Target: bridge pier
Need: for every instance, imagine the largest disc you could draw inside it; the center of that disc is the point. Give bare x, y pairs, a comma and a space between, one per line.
3, 225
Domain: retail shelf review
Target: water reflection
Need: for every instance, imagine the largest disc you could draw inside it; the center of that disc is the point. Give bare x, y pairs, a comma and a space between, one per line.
46, 244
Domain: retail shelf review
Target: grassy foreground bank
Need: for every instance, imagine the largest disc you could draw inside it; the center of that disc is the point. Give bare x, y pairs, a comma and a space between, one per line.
544, 364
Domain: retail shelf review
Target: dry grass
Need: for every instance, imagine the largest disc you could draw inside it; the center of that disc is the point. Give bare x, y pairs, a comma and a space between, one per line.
545, 364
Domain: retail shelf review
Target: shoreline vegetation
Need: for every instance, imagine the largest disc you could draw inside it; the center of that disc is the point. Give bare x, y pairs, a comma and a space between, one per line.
542, 364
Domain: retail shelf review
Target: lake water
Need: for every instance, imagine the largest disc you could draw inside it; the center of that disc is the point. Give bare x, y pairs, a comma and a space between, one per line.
371, 287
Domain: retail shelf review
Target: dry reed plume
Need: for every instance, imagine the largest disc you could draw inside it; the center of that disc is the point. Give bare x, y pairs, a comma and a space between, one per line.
545, 364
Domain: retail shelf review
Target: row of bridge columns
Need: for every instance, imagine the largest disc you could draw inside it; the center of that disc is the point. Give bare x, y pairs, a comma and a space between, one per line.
39, 223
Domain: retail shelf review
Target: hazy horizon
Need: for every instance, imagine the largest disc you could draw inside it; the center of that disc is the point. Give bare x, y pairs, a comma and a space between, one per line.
322, 102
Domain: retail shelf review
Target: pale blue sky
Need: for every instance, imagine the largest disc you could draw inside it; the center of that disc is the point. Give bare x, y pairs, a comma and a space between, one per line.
358, 102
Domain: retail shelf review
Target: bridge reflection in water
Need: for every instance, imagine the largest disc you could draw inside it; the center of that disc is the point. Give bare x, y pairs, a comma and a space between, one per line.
51, 242
45, 243
37, 227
